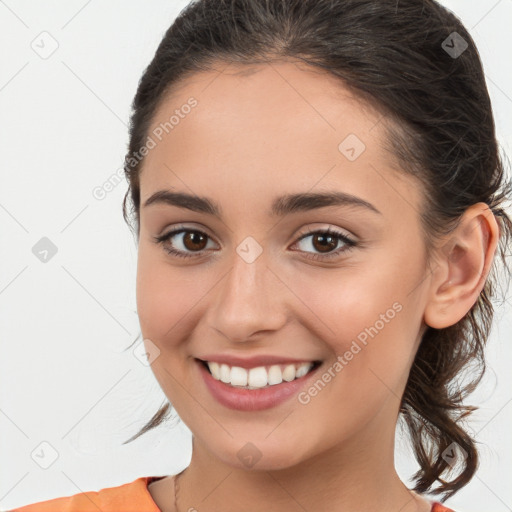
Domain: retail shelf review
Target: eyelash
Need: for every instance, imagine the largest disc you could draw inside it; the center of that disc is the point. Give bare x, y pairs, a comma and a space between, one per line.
349, 243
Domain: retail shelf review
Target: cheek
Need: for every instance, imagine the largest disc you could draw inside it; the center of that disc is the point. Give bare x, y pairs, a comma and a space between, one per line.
368, 312
165, 296
373, 350
347, 302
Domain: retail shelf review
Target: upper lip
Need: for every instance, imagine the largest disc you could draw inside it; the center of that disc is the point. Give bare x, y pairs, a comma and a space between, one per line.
253, 361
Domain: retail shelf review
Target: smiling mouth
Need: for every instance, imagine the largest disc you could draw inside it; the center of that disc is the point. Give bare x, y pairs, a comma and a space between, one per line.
259, 376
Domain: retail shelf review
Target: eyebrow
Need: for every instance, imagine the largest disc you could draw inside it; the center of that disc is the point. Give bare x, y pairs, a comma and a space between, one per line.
283, 205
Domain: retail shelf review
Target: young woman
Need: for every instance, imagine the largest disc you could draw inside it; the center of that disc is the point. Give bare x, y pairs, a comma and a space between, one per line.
318, 199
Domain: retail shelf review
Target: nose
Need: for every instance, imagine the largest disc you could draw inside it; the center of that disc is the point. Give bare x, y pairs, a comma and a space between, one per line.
250, 300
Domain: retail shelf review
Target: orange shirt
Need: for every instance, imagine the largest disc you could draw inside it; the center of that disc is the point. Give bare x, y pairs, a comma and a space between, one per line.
130, 497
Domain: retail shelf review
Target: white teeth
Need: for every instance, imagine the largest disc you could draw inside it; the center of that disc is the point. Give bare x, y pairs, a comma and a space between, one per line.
214, 368
302, 370
258, 377
238, 376
225, 373
275, 376
289, 373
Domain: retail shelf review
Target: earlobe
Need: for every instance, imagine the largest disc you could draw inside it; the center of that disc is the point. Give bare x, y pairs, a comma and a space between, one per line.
461, 267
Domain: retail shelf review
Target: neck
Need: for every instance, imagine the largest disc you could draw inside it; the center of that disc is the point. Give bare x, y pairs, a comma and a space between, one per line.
357, 476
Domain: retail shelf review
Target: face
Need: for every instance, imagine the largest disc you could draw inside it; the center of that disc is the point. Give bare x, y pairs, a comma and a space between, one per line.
338, 283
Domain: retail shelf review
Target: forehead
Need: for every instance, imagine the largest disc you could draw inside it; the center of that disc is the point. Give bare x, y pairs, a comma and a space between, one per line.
293, 96
280, 124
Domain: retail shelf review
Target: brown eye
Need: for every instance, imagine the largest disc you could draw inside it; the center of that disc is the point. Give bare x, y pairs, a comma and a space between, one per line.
324, 242
184, 242
194, 240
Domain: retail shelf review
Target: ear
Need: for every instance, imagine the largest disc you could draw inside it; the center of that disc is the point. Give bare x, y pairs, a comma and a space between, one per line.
461, 266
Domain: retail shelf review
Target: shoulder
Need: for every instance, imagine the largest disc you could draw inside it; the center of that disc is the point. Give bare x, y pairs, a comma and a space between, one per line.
130, 497
439, 507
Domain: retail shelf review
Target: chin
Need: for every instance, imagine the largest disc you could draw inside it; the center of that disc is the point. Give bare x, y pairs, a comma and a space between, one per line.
260, 454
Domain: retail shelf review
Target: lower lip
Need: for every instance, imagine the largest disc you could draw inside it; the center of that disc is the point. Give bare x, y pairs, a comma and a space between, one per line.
252, 399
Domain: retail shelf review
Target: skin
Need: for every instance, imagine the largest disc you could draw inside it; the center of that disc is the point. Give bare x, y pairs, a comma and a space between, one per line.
253, 136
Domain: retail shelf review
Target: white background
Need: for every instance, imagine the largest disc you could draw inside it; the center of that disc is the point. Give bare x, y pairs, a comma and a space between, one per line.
64, 376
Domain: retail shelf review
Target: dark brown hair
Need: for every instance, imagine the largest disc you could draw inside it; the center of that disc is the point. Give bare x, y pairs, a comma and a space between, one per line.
403, 59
